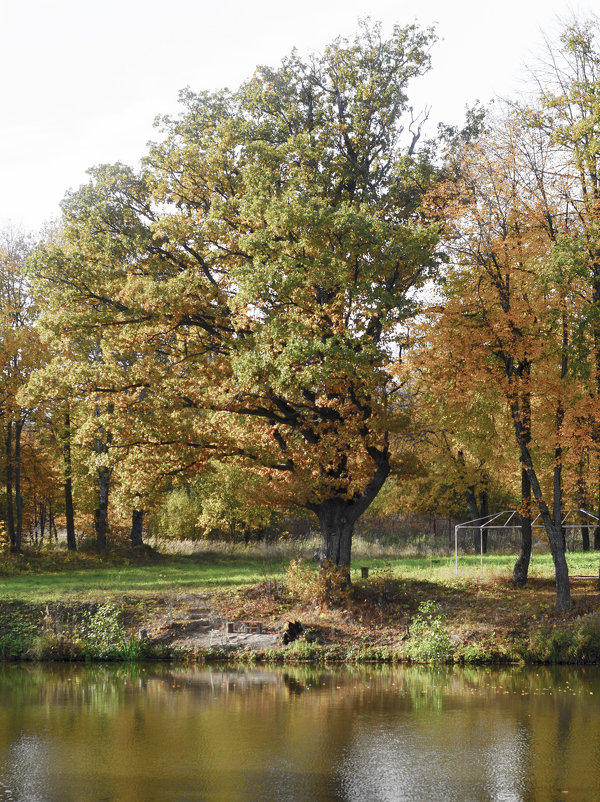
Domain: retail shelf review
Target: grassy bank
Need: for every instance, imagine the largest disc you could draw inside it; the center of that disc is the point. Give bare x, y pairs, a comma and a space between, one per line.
57, 606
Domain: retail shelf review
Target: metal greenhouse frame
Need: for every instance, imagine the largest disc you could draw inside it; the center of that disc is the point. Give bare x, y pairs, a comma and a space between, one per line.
502, 520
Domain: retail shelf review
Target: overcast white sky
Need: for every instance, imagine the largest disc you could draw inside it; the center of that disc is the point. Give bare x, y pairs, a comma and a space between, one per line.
81, 81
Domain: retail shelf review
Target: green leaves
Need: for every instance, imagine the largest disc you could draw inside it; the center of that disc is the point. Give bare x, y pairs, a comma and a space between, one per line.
233, 307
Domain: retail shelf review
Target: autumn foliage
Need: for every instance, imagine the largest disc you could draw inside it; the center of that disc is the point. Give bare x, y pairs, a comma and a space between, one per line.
296, 301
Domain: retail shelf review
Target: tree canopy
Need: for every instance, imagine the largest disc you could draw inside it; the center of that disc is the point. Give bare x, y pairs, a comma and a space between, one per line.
241, 297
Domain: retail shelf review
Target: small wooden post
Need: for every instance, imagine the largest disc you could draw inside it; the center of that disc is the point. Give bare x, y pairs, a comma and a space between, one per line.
599, 578
364, 571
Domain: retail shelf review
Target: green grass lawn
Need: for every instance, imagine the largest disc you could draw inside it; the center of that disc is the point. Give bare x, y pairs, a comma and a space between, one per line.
188, 574
79, 576
443, 568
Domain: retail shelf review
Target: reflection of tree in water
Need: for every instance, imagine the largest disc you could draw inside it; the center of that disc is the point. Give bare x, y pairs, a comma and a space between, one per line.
300, 732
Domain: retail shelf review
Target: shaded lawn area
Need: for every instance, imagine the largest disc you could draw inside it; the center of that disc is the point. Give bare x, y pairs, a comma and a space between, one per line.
79, 577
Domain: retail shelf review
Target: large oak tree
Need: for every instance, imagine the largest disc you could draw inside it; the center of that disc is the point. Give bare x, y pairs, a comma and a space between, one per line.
245, 290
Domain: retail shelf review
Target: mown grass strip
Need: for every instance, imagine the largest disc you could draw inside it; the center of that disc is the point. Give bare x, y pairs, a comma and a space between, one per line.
181, 574
80, 577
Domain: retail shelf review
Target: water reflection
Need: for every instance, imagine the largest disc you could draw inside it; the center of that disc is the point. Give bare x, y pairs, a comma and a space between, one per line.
129, 733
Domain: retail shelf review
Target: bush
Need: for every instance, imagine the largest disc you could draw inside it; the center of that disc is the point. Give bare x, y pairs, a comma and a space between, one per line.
325, 585
429, 642
17, 638
578, 644
103, 636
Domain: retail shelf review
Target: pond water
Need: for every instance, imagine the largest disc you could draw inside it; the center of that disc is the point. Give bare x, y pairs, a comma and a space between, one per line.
157, 732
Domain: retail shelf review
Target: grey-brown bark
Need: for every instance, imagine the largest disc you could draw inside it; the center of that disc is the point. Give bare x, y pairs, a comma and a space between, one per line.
68, 485
18, 494
337, 516
553, 530
101, 511
8, 476
582, 502
521, 568
552, 524
14, 497
137, 523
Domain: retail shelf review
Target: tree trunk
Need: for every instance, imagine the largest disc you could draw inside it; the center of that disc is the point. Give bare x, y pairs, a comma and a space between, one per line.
555, 534
102, 444
10, 518
337, 527
557, 496
70, 515
597, 527
101, 512
553, 528
477, 512
338, 516
51, 523
18, 495
585, 537
521, 569
43, 521
471, 500
137, 521
485, 511
561, 572
68, 485
581, 499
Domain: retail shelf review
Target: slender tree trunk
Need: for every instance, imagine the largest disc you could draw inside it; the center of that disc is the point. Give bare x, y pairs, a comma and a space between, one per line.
560, 415
37, 515
70, 515
10, 516
478, 511
51, 523
585, 538
18, 494
557, 543
557, 495
137, 521
582, 502
101, 512
485, 511
68, 485
42, 521
521, 569
471, 500
553, 527
104, 474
